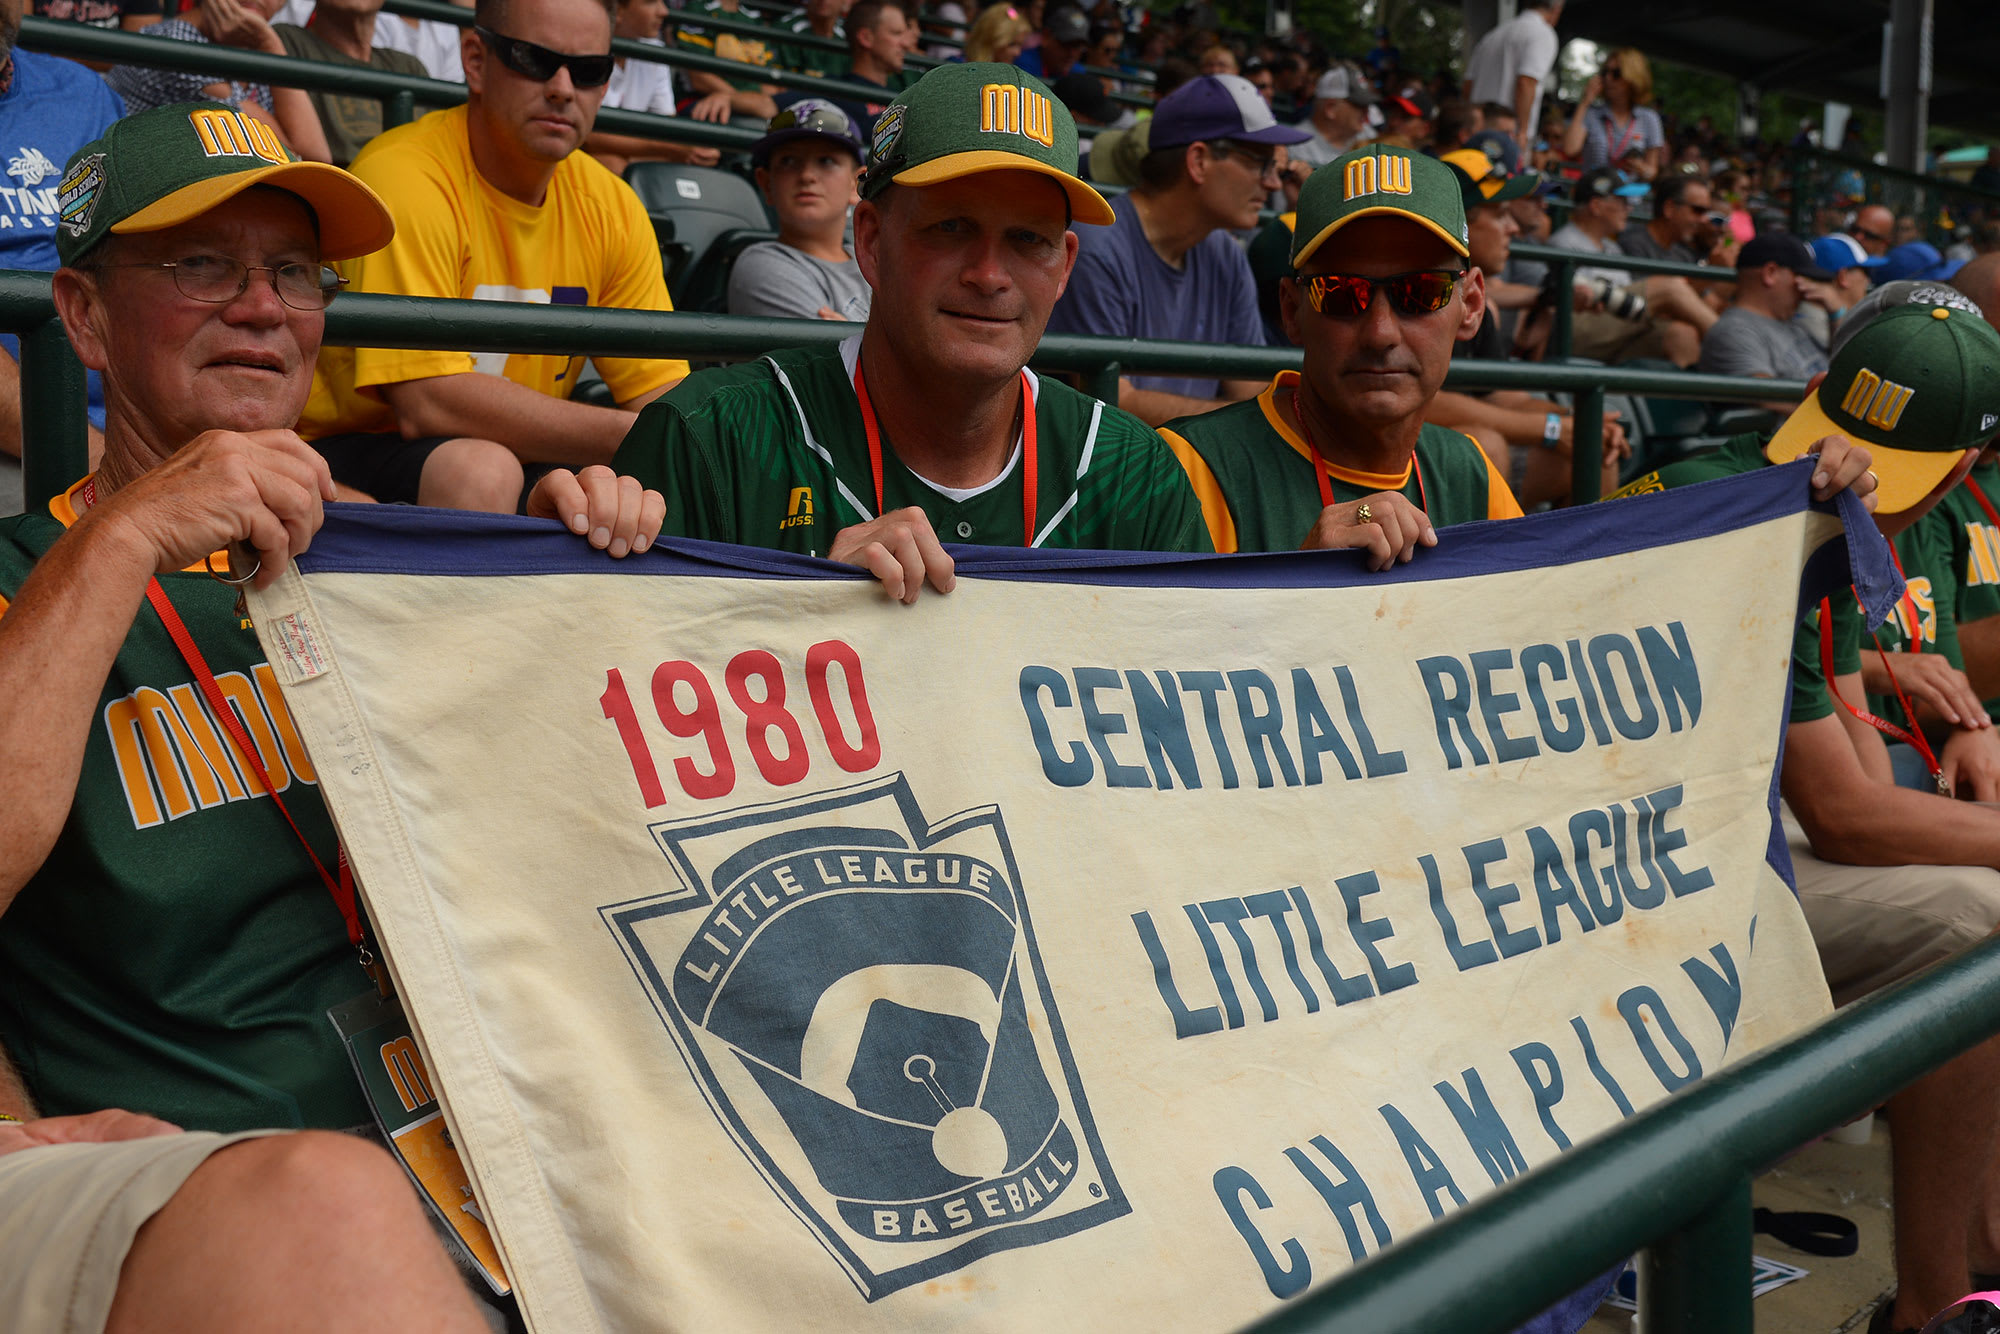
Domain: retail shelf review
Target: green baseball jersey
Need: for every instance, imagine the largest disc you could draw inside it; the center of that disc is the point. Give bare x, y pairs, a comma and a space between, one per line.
1254, 475
177, 952
1976, 547
728, 45
1811, 699
802, 57
1925, 619
772, 453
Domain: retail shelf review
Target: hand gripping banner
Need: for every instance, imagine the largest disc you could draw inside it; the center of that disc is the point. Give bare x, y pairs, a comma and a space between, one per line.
1114, 942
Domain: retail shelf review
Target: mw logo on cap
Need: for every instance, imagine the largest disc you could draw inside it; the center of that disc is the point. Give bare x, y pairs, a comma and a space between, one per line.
1384, 173
233, 134
1006, 108
1877, 401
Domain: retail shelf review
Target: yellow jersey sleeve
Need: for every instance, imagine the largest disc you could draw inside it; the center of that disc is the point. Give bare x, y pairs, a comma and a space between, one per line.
1500, 501
637, 282
1208, 490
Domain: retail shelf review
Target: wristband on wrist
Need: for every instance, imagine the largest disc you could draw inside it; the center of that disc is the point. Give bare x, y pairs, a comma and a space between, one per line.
1552, 430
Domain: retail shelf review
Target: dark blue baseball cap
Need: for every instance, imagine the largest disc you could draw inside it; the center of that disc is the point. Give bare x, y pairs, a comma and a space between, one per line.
1218, 106
808, 118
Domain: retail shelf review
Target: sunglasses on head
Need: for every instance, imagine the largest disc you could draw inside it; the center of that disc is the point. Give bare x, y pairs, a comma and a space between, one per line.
1348, 295
818, 116
540, 64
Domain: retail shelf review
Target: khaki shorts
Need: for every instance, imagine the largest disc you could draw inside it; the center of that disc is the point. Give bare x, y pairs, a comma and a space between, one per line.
1607, 338
68, 1214
1874, 925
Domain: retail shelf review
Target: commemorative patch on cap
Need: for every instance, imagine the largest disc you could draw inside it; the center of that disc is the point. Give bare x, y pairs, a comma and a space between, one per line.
78, 192
960, 120
888, 129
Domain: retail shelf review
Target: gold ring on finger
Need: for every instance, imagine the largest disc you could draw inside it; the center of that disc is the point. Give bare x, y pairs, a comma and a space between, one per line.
1364, 514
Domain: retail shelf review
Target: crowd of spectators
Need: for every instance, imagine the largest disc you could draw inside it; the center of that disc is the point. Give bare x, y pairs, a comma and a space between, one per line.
1207, 146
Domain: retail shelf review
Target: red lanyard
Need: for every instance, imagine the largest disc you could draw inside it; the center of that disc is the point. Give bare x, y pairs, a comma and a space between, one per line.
1913, 735
1984, 503
1612, 155
1028, 459
341, 888
1319, 464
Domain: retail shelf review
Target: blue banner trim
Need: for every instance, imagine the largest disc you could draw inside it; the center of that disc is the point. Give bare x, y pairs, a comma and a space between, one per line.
370, 539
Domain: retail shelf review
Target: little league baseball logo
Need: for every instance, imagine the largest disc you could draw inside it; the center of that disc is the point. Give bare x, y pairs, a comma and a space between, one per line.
860, 997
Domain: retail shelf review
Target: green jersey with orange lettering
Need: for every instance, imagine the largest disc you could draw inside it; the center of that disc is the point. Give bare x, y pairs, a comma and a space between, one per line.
177, 952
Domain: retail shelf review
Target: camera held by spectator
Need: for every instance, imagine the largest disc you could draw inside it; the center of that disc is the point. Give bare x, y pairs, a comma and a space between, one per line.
1627, 303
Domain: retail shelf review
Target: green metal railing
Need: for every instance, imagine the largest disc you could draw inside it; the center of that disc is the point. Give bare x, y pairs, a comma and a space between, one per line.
1675, 1179
400, 94
54, 420
1564, 264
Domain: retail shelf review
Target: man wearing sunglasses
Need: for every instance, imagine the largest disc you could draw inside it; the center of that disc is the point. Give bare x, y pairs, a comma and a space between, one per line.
1875, 227
1341, 456
493, 202
1167, 267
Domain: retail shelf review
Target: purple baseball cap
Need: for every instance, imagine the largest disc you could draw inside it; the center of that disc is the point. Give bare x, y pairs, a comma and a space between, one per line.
1218, 106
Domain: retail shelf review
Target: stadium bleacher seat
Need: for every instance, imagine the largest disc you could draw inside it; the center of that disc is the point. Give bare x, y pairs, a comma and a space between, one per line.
705, 217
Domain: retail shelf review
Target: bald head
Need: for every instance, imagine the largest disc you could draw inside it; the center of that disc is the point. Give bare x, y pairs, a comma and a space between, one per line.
1875, 227
1980, 281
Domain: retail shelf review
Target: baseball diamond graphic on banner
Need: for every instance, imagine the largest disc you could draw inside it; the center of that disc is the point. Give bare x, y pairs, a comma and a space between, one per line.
1114, 942
876, 981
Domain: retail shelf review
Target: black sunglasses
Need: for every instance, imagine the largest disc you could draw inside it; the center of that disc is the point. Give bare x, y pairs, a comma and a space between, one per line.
540, 64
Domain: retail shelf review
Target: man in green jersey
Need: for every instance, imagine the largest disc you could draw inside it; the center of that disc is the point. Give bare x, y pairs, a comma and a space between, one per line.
166, 944
1891, 879
927, 425
1340, 456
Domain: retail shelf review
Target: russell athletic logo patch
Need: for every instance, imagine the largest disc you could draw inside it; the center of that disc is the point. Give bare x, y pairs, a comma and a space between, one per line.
861, 996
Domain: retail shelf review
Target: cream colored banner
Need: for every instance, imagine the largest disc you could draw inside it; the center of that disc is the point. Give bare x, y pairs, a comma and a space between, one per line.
1046, 955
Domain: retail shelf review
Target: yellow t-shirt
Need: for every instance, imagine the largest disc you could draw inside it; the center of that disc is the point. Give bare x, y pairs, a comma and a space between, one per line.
589, 244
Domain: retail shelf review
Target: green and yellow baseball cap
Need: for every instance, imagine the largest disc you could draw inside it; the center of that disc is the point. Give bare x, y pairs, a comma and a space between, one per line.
959, 120
1485, 181
1918, 386
163, 167
1379, 181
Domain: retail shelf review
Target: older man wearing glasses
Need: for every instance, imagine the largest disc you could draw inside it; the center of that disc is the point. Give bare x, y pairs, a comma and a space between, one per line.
493, 201
1166, 267
169, 939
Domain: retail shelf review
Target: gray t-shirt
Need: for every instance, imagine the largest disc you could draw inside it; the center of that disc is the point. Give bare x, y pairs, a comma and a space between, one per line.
772, 278
1637, 242
1569, 236
1745, 342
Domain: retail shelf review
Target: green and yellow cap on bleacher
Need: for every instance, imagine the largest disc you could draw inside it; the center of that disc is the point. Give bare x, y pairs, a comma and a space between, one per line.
960, 120
163, 167
1379, 181
1917, 386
